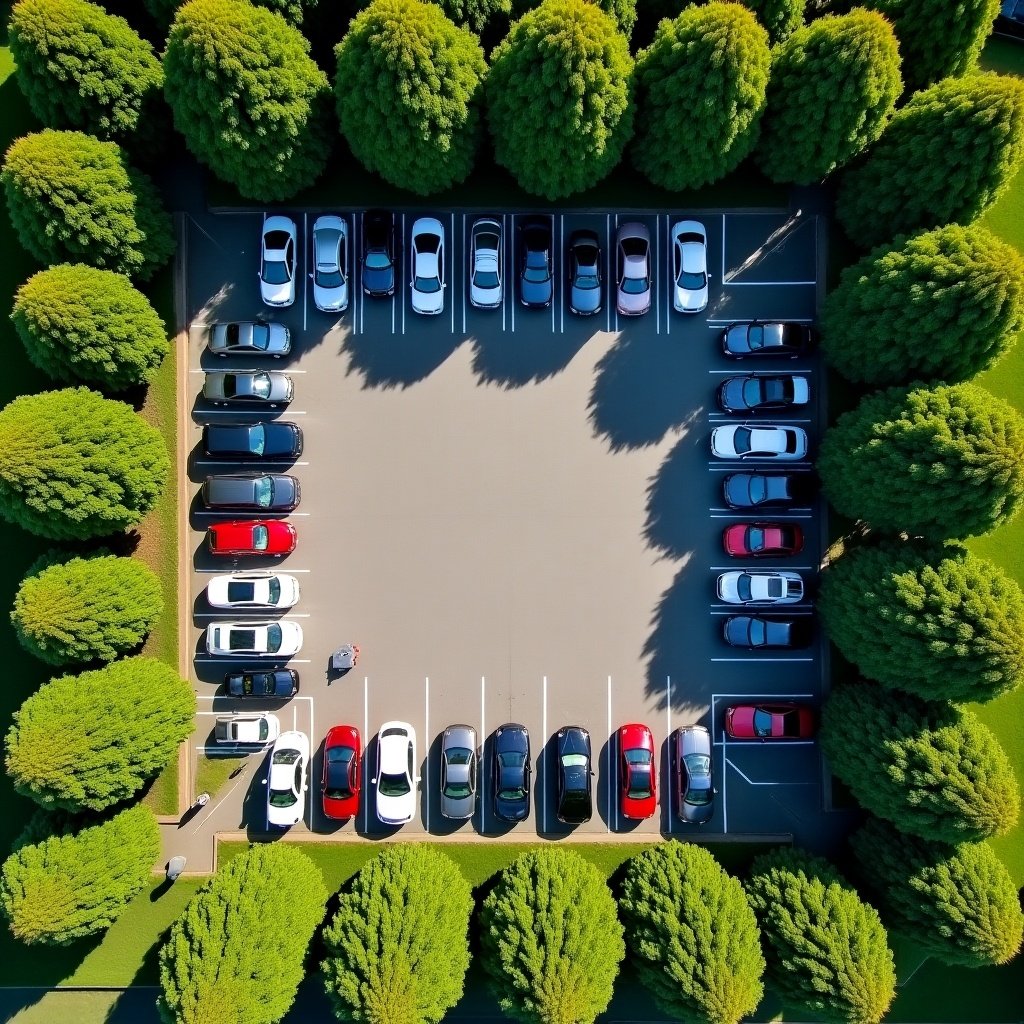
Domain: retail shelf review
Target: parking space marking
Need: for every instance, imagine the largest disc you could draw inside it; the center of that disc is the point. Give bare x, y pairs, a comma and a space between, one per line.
758, 658
731, 609
250, 611
668, 266
608, 264
543, 747
240, 412
554, 271
302, 267
464, 251
610, 282
512, 263
657, 275
505, 237
715, 324
736, 565
400, 290
262, 462
366, 742
722, 279
199, 660
608, 762
758, 460
455, 282
751, 782
234, 563
426, 740
561, 304
481, 774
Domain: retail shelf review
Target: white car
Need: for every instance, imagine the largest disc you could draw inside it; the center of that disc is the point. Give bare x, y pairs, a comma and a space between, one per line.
330, 264
287, 785
689, 266
396, 779
485, 266
277, 261
281, 639
761, 587
427, 282
247, 730
742, 441
253, 590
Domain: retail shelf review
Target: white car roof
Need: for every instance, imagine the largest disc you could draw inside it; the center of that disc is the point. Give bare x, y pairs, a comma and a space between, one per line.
393, 750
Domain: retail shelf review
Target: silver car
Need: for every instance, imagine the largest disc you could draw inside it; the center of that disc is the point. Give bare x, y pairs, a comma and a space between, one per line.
330, 264
633, 269
264, 387
695, 791
249, 338
485, 265
458, 772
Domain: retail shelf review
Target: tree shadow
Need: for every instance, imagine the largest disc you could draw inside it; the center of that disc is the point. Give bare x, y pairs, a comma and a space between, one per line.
405, 359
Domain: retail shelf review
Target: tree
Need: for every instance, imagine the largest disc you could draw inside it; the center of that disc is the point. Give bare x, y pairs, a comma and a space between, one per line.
249, 100
707, 69
398, 947
780, 17
408, 90
76, 883
74, 198
93, 740
473, 14
826, 948
958, 902
551, 941
946, 156
75, 465
833, 86
930, 768
692, 934
235, 956
293, 11
942, 305
78, 323
931, 619
941, 462
567, 136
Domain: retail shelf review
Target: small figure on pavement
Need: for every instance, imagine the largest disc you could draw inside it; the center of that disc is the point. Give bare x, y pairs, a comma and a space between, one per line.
203, 799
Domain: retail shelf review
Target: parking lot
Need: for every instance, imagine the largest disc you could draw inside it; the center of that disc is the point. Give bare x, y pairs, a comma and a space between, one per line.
516, 515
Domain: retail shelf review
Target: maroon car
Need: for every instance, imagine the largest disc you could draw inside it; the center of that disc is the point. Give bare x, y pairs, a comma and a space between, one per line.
762, 540
779, 721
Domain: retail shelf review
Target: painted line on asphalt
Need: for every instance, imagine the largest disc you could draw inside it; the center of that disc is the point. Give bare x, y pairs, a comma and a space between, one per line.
608, 276
481, 774
751, 782
757, 744
722, 278
611, 283
544, 745
302, 269
366, 741
667, 788
248, 611
512, 263
760, 607
255, 462
733, 609
791, 510
426, 740
560, 289
463, 290
752, 568
774, 515
716, 324
657, 275
724, 417
503, 266
768, 284
758, 658
451, 263
400, 291
244, 412
262, 658
608, 765
221, 569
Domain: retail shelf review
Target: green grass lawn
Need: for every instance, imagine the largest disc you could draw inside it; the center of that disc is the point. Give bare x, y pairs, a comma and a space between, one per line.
213, 772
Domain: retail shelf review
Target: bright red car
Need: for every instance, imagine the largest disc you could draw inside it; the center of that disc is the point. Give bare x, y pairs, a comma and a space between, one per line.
251, 537
637, 772
342, 752
762, 540
783, 721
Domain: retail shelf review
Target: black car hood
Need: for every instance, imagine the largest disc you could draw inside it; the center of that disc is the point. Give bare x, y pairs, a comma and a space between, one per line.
573, 742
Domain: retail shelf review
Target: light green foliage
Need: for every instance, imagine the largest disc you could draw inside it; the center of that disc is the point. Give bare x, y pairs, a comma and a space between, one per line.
76, 465
79, 323
474, 14
550, 939
568, 135
941, 462
780, 18
93, 740
692, 934
235, 956
398, 947
930, 768
707, 69
408, 92
292, 10
73, 198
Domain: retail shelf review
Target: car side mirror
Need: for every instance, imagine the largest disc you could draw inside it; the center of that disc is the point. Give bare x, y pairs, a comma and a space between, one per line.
310, 276
263, 782
373, 781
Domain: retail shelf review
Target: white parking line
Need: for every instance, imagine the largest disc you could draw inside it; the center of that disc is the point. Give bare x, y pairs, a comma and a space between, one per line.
668, 266
733, 609
751, 782
245, 412
657, 275
767, 284
608, 276
723, 250
609, 764
454, 280
366, 743
751, 568
611, 283
561, 289
198, 660
504, 267
759, 745
543, 748
761, 658
400, 290
554, 271
302, 268
481, 774
248, 611
513, 265
226, 567
463, 290
258, 463
426, 747
787, 515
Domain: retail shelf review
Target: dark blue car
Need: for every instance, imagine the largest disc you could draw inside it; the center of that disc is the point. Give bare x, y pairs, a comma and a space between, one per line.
536, 285
512, 772
276, 684
378, 259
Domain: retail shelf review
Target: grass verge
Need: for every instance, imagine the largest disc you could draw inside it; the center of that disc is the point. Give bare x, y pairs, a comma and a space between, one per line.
213, 772
162, 796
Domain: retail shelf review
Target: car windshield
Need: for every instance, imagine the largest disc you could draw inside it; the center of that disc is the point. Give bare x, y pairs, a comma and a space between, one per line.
393, 785
458, 755
485, 279
257, 439
339, 769
330, 278
758, 488
263, 491
274, 590
755, 336
635, 285
743, 587
273, 637
377, 259
758, 633
512, 759
574, 760
691, 281
260, 337
762, 722
261, 385
457, 790
260, 538
278, 271
283, 798
755, 538
741, 439
427, 285
698, 765
639, 786
586, 281
518, 793
751, 391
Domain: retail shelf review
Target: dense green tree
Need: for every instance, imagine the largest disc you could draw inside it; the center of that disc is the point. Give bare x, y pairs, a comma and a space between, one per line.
292, 10
692, 935
79, 323
249, 100
235, 956
941, 305
707, 69
75, 465
568, 135
74, 198
76, 883
474, 14
940, 462
958, 902
551, 941
945, 157
398, 947
93, 740
780, 18
408, 91
827, 950
930, 768
833, 86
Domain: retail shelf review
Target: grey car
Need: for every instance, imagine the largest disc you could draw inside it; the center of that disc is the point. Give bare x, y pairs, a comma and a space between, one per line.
584, 273
458, 772
633, 269
249, 338
248, 387
695, 791
260, 492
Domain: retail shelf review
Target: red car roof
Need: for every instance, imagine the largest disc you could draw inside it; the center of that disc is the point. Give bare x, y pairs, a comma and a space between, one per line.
637, 737
343, 736
237, 536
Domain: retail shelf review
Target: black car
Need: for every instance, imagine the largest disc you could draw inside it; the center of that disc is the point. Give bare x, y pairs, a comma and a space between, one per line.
771, 338
280, 683
1010, 20
512, 772
575, 804
584, 273
759, 490
762, 393
274, 440
757, 632
535, 280
263, 492
378, 258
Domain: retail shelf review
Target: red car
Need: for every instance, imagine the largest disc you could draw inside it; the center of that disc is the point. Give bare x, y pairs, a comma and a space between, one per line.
637, 772
783, 721
762, 540
342, 751
251, 537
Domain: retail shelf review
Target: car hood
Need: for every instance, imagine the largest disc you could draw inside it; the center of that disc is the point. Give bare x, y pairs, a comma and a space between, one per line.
741, 720
394, 756
585, 300
277, 294
330, 299
535, 292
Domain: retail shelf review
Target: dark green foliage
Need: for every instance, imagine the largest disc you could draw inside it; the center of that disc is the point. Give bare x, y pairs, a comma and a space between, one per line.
292, 10
550, 939
707, 69
958, 902
933, 620
940, 462
235, 956
942, 305
398, 947
79, 323
780, 17
73, 198
250, 101
567, 136
930, 768
833, 86
692, 934
76, 465
827, 951
77, 883
408, 91
946, 156
93, 740
473, 14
